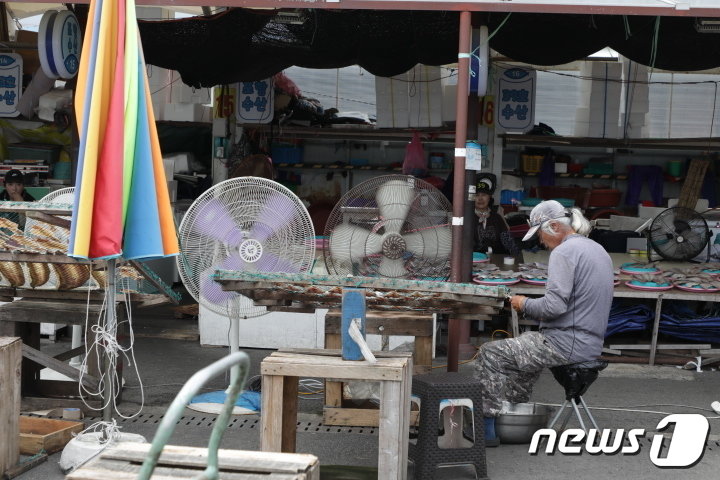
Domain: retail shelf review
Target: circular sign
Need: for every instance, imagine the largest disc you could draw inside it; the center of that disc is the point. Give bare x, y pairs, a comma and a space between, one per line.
45, 50
66, 44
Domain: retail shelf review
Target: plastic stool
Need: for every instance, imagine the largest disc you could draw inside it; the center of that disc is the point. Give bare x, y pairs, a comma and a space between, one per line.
438, 392
576, 378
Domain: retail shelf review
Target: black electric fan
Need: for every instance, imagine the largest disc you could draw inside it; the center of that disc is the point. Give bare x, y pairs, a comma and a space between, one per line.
678, 233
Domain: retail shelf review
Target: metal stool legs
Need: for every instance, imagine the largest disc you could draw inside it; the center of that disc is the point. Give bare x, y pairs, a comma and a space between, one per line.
576, 408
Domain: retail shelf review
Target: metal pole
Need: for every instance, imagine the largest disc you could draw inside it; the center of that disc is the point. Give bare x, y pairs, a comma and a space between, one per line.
461, 102
110, 328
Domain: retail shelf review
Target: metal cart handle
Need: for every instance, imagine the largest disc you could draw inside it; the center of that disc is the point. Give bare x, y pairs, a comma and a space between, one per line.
238, 360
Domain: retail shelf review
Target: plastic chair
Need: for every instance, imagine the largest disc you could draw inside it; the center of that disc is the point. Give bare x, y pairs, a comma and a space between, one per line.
576, 378
238, 360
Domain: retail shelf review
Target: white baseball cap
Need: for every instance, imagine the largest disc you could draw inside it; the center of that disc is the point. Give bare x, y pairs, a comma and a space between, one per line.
544, 211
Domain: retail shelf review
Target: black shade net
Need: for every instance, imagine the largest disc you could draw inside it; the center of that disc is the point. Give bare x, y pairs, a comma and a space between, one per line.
244, 45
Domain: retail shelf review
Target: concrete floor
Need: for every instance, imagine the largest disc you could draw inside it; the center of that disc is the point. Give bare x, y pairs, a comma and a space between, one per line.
625, 396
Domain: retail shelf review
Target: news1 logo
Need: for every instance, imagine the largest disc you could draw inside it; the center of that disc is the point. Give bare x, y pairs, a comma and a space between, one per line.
683, 449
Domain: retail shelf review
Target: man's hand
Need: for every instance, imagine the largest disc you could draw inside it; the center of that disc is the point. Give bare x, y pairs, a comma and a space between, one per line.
518, 302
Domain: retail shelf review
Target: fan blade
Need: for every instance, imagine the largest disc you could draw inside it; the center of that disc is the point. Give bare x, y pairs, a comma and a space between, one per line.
277, 212
392, 268
394, 199
212, 291
214, 220
430, 243
269, 262
350, 242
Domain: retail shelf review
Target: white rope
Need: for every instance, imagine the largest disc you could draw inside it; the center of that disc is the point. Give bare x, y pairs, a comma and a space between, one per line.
106, 345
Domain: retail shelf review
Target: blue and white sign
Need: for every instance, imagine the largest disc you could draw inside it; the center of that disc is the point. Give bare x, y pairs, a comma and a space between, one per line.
66, 44
11, 69
515, 100
255, 101
59, 44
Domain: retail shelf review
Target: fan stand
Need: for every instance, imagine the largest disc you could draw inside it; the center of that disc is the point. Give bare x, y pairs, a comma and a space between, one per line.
212, 402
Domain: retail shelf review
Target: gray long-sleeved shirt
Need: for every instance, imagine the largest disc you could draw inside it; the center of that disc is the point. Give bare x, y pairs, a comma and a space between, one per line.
574, 311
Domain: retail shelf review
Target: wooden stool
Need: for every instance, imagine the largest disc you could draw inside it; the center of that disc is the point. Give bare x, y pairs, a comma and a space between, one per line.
281, 370
414, 324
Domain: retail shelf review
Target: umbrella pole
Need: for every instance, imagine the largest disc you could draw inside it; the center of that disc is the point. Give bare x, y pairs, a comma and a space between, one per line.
110, 328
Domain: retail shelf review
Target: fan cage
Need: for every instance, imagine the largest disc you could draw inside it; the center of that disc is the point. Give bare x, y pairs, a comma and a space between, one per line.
428, 215
678, 233
219, 225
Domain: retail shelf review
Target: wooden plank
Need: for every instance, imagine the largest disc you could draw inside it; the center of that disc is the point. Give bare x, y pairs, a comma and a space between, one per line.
36, 311
33, 403
234, 280
423, 352
289, 413
10, 360
47, 361
235, 460
389, 324
103, 469
70, 353
334, 353
6, 256
357, 417
301, 367
271, 418
51, 219
389, 436
151, 277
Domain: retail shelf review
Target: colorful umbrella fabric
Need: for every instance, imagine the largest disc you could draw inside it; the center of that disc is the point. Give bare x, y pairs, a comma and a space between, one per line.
122, 205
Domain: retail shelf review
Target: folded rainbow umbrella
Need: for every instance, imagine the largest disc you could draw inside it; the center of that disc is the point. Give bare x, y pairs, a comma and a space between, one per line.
122, 205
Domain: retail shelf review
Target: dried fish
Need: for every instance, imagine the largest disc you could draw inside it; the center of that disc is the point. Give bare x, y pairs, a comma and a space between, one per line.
39, 273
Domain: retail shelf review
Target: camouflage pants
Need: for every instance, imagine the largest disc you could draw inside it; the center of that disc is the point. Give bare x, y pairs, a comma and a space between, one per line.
509, 368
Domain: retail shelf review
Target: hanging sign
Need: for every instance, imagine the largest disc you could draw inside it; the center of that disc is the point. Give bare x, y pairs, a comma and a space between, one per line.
515, 99
255, 101
11, 69
59, 44
66, 44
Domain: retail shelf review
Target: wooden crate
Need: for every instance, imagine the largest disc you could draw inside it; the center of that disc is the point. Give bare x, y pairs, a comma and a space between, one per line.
37, 434
10, 358
123, 461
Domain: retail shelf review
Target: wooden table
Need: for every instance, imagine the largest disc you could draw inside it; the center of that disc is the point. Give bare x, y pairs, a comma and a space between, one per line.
622, 291
281, 370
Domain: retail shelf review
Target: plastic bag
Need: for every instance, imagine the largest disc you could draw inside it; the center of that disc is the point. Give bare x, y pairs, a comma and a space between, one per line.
415, 162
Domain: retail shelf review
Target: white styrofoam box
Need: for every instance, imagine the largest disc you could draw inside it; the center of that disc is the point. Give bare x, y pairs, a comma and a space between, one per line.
597, 129
273, 330
649, 212
187, 112
561, 167
621, 222
424, 96
392, 102
701, 205
180, 163
55, 99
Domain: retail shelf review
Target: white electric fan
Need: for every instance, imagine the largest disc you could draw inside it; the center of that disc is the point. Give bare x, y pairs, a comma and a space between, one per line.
247, 224
393, 226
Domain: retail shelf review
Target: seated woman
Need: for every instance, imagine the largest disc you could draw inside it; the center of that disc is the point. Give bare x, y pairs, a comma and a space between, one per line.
491, 229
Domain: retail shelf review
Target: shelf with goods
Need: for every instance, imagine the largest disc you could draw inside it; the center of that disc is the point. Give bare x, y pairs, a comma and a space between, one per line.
353, 132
